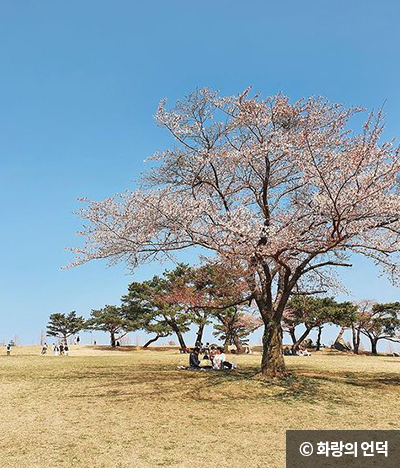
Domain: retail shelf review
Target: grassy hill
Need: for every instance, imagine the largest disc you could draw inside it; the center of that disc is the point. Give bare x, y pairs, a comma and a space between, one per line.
132, 408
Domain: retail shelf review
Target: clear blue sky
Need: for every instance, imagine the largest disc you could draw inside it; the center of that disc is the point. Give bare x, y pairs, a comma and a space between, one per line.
80, 82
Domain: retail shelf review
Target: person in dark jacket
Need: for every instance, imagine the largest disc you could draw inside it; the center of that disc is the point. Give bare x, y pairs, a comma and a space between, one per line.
194, 358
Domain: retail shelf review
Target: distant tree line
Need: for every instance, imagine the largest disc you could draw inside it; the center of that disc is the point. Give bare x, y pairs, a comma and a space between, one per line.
169, 305
187, 296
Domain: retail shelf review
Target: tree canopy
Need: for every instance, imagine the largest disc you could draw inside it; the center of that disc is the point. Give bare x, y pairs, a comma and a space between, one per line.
380, 322
314, 312
157, 304
114, 320
63, 326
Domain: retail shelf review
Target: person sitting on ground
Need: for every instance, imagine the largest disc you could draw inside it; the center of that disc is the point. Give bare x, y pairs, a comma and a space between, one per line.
194, 361
212, 352
206, 362
287, 351
304, 352
220, 362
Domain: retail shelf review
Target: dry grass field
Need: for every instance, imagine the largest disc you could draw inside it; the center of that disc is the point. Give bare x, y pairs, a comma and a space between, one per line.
132, 408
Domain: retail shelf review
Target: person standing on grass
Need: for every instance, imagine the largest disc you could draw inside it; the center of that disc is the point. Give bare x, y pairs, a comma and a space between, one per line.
61, 349
56, 350
66, 349
8, 349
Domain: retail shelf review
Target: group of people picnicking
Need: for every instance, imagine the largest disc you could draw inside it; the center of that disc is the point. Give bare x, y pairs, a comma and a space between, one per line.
209, 357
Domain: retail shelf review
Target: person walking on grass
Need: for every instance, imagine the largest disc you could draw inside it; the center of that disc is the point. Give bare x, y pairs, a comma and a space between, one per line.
8, 349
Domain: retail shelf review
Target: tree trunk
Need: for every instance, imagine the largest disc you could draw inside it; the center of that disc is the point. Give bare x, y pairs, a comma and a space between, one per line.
341, 333
180, 339
112, 339
239, 347
200, 331
374, 349
296, 346
356, 339
318, 344
292, 334
152, 340
226, 344
171, 322
272, 362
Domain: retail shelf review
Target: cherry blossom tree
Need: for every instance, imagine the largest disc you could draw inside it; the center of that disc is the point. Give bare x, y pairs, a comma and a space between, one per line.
283, 192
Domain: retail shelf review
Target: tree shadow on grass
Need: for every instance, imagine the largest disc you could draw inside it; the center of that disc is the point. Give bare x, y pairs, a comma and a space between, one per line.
289, 388
377, 381
169, 384
134, 348
305, 386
